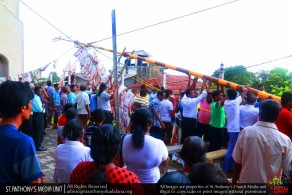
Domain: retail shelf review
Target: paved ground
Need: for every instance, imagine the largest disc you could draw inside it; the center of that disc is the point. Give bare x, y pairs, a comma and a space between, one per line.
46, 158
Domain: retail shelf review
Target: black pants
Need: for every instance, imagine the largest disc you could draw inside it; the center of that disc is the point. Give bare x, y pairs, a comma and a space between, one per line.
167, 132
50, 111
38, 128
108, 117
189, 128
156, 132
201, 129
226, 138
45, 120
215, 137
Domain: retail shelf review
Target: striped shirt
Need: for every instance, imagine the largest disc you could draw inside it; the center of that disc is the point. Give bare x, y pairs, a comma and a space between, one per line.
144, 101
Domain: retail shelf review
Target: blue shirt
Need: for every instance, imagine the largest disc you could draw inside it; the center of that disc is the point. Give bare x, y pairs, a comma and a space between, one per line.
93, 103
152, 96
257, 105
18, 159
50, 91
37, 104
89, 92
72, 97
57, 99
155, 105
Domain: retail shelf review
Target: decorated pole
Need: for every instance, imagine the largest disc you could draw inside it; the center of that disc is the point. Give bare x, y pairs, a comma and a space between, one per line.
115, 69
222, 82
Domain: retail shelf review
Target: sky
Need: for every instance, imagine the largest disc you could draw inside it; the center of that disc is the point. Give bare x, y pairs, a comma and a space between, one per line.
243, 32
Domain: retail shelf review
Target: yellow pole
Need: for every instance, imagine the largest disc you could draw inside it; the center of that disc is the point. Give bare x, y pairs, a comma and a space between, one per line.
222, 82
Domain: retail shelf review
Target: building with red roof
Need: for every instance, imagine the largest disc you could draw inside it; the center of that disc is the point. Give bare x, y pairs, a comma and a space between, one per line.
176, 83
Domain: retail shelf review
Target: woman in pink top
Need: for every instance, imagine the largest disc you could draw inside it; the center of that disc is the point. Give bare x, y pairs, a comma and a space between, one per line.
204, 114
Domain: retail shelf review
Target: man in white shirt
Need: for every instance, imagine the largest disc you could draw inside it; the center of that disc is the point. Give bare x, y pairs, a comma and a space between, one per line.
82, 105
231, 107
248, 113
189, 104
262, 150
166, 112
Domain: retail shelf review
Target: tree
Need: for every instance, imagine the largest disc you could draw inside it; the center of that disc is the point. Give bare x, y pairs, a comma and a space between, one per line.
262, 77
276, 81
237, 74
279, 81
55, 77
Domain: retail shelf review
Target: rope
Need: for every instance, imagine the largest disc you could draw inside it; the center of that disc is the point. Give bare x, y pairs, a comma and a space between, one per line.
146, 83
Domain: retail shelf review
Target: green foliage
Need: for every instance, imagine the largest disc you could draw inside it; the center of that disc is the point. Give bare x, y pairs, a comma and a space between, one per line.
276, 81
279, 81
262, 77
55, 77
237, 74
43, 79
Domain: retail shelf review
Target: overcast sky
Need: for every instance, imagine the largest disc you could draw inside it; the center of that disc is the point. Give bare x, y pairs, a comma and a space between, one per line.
245, 32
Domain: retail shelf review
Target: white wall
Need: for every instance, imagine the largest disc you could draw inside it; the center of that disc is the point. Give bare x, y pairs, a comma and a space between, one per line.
11, 35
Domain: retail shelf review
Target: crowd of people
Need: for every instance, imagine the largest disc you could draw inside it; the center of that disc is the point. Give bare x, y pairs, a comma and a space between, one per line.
91, 150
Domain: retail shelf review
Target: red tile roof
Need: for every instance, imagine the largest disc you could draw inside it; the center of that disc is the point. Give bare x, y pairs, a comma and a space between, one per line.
176, 83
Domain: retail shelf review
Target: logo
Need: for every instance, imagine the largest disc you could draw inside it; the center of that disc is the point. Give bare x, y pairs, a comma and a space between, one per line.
276, 183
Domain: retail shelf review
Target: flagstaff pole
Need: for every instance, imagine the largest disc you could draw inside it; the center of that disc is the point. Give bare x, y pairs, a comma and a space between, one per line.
218, 81
222, 82
115, 69
69, 78
221, 74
